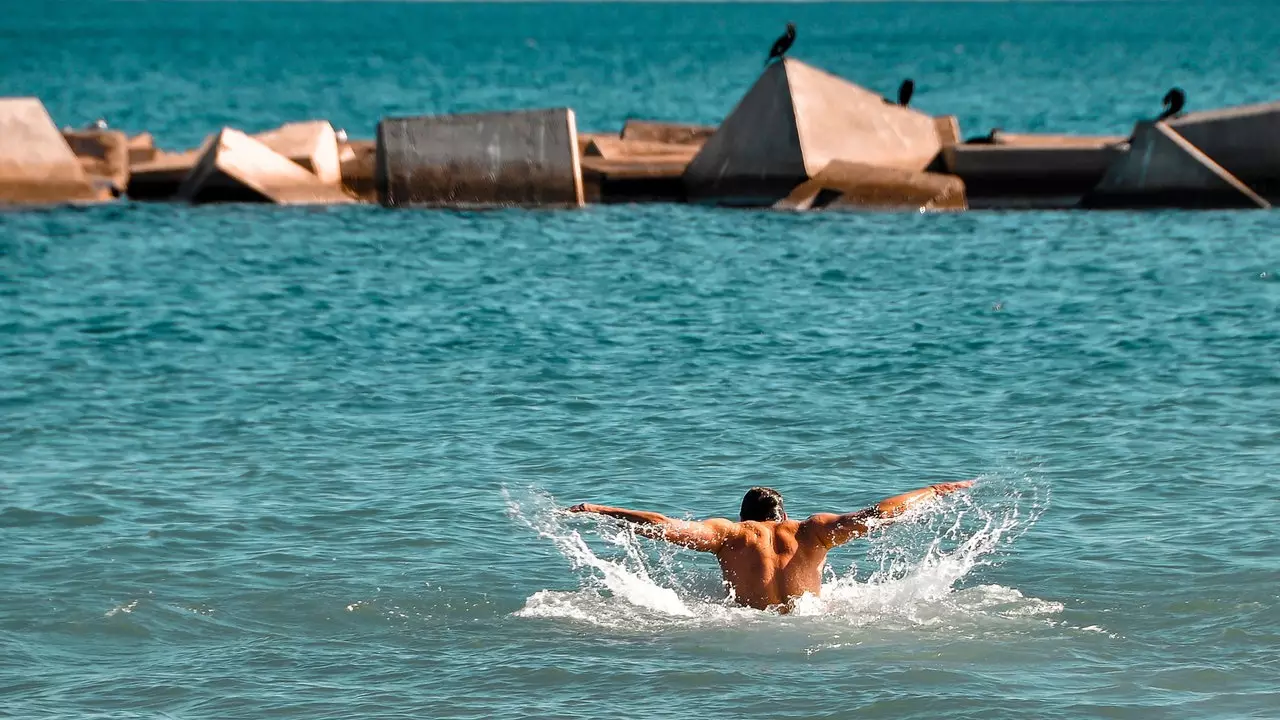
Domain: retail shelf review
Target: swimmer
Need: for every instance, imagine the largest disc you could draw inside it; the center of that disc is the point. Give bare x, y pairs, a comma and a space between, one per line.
767, 559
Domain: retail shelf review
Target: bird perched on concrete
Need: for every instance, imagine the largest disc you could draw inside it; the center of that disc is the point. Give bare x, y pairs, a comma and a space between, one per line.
782, 44
1173, 102
99, 124
905, 91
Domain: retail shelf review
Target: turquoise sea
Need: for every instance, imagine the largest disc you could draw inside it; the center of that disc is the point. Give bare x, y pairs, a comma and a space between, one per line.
304, 463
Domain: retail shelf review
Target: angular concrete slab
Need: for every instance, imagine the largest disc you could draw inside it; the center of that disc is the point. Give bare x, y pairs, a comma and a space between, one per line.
359, 162
313, 145
37, 166
857, 186
1244, 140
142, 148
651, 178
948, 127
525, 158
1028, 176
1163, 169
792, 122
1000, 137
666, 132
159, 178
104, 156
612, 148
234, 167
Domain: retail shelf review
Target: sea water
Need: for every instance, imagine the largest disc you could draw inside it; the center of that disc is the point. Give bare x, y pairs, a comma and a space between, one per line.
308, 463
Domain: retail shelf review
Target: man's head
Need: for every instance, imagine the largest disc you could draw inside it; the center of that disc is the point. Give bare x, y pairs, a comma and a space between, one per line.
762, 504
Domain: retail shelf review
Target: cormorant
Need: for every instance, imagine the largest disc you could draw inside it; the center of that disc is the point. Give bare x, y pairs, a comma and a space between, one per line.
1173, 102
782, 44
905, 91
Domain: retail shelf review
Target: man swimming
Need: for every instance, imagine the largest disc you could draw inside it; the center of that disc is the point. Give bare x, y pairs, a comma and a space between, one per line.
767, 559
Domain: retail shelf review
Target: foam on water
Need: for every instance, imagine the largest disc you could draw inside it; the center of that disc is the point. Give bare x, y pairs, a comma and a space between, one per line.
629, 582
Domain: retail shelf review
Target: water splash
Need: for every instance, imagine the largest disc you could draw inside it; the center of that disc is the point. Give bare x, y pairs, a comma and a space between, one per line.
917, 565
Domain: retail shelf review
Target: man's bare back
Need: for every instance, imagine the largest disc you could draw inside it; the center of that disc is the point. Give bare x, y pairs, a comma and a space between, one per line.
767, 559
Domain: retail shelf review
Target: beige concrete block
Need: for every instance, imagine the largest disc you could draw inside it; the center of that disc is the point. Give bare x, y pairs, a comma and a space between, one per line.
359, 164
37, 166
948, 127
857, 186
142, 148
312, 144
233, 167
612, 148
159, 178
666, 132
1000, 137
104, 156
1163, 169
792, 123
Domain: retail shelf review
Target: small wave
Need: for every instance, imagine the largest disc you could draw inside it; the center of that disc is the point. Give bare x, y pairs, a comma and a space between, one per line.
917, 569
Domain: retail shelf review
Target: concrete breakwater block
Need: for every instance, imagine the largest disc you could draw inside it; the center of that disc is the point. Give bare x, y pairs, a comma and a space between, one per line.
858, 186
526, 158
794, 121
613, 148
653, 178
233, 167
1244, 140
313, 145
1028, 176
160, 177
666, 132
1163, 169
142, 148
359, 160
1000, 137
104, 157
37, 166
948, 127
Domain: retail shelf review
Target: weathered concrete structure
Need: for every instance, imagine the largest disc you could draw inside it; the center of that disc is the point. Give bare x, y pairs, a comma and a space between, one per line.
1244, 140
359, 160
856, 186
666, 132
37, 166
104, 157
526, 158
1026, 176
792, 122
1162, 169
1000, 137
637, 179
160, 177
234, 167
613, 148
313, 145
142, 148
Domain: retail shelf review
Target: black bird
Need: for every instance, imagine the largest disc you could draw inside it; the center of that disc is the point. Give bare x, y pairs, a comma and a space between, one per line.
905, 91
1173, 102
782, 44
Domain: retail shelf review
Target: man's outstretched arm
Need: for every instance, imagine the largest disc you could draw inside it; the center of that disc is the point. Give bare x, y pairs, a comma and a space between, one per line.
831, 529
704, 535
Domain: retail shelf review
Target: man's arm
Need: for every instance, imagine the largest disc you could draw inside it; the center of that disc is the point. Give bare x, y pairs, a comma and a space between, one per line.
831, 529
704, 535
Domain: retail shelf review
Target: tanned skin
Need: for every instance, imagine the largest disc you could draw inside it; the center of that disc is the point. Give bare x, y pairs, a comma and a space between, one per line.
770, 564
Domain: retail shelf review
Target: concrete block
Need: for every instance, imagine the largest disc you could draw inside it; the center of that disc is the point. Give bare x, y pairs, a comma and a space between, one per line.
1163, 169
358, 159
948, 127
666, 132
1244, 140
526, 158
37, 166
313, 145
1000, 137
857, 186
104, 156
142, 148
233, 167
1032, 176
613, 148
793, 122
158, 179
651, 178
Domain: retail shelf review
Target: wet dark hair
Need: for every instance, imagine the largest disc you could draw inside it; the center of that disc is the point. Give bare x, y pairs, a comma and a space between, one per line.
762, 504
